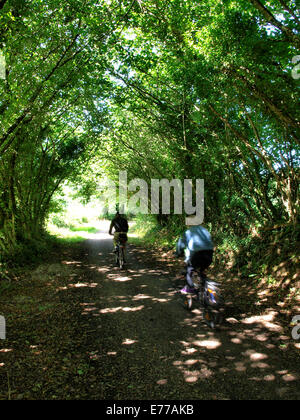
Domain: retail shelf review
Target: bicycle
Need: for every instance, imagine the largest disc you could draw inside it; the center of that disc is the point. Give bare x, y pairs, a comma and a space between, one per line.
120, 249
207, 293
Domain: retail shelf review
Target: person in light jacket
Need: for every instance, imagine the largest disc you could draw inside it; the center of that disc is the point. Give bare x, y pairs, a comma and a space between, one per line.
196, 243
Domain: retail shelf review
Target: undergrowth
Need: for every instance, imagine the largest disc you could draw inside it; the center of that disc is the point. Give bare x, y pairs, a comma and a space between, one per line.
266, 260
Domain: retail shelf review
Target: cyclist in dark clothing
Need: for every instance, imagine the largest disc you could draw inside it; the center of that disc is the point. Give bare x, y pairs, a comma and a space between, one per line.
120, 225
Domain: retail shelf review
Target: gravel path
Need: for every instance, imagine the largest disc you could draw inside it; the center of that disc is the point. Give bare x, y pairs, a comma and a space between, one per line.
112, 334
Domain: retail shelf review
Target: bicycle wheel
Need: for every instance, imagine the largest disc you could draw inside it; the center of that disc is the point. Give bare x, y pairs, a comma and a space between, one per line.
212, 318
117, 255
121, 257
187, 301
208, 318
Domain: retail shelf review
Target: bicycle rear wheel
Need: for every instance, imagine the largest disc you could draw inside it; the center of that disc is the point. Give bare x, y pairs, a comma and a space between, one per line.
117, 252
213, 318
187, 301
121, 257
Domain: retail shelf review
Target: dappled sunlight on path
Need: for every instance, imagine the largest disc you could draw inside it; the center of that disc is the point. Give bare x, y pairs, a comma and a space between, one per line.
134, 340
168, 351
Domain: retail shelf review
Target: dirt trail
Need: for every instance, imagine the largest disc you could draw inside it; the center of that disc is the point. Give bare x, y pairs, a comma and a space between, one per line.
111, 334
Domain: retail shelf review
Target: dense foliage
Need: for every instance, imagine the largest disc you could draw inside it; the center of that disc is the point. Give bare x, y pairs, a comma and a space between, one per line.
159, 88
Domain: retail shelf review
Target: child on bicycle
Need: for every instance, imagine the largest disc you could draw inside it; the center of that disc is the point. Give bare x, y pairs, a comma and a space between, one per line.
198, 247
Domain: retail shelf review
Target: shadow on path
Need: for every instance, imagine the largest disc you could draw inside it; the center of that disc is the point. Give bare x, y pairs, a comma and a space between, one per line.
149, 347
88, 330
